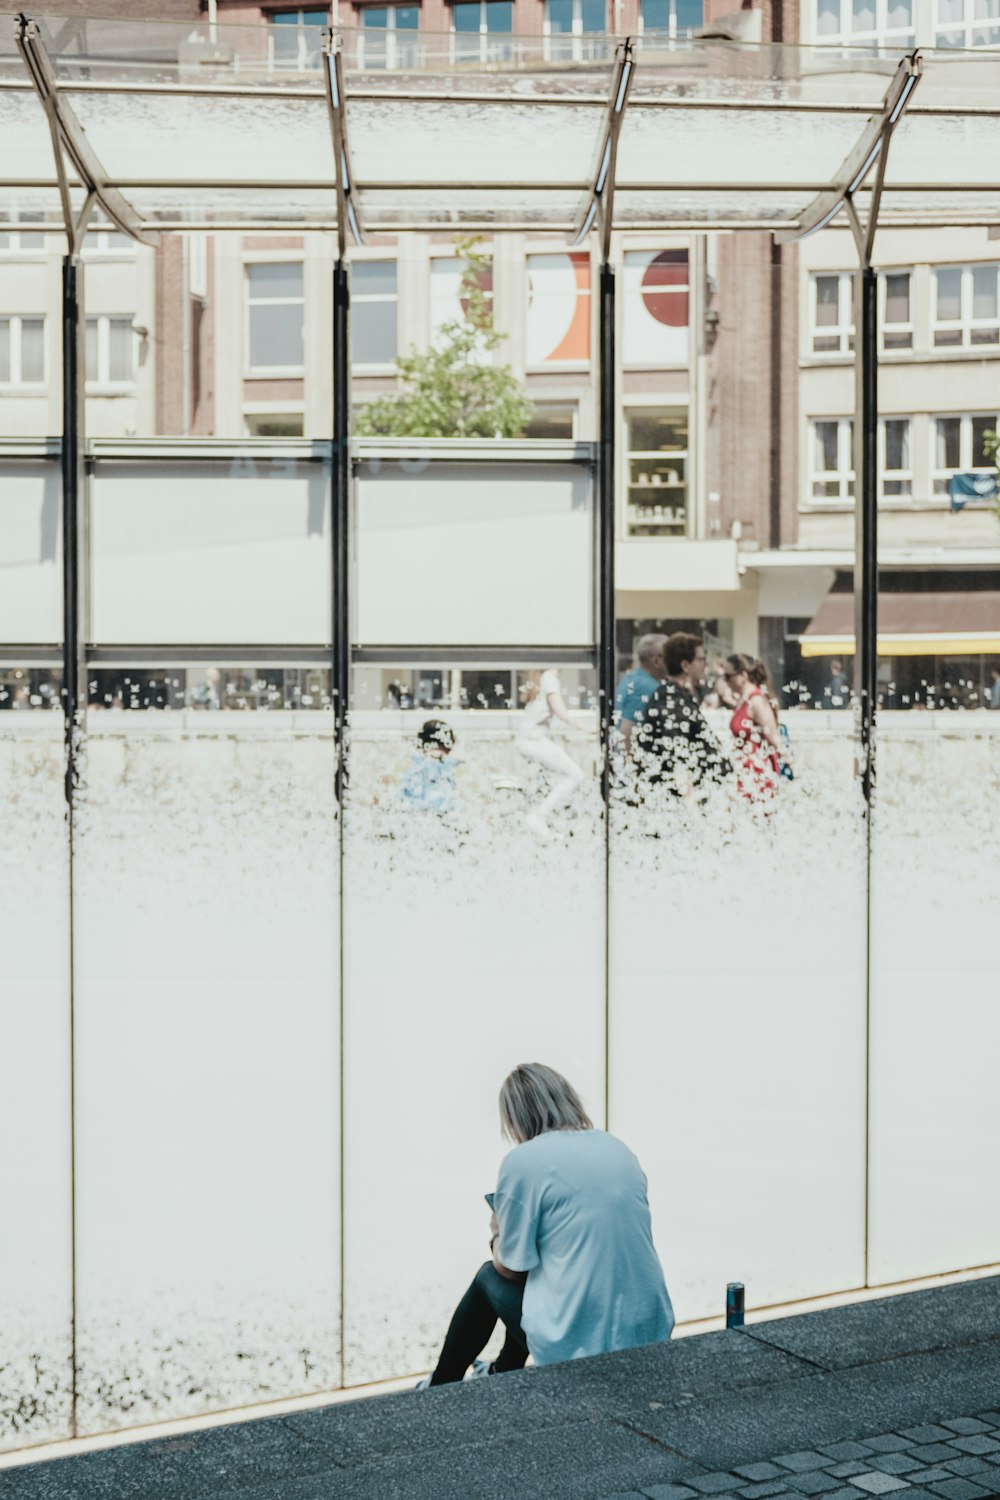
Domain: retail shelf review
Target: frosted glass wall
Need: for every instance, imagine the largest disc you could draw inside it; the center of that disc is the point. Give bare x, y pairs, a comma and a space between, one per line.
207, 1067
30, 553
35, 1128
737, 1022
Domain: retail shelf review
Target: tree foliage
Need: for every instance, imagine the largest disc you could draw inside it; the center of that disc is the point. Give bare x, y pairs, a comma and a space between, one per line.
993, 451
458, 388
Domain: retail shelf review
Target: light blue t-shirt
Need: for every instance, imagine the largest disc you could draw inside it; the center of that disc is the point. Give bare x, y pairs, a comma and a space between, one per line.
573, 1213
633, 693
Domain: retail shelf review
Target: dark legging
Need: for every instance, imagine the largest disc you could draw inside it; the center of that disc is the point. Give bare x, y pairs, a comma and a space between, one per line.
490, 1296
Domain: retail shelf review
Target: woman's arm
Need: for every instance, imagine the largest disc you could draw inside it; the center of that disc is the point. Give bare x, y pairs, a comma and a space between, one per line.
764, 717
498, 1264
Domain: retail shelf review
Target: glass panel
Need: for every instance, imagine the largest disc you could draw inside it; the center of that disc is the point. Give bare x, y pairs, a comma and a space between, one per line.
656, 499
827, 301
950, 12
828, 17
559, 14
593, 15
276, 336
466, 17
93, 350
514, 519
30, 553
275, 280
122, 350
373, 333
206, 858
449, 804
897, 298
655, 319
655, 15
373, 278
249, 534
862, 15
36, 1282
274, 424
5, 370
558, 311
32, 350
900, 15
897, 444
499, 15
984, 292
551, 421
982, 427
949, 437
949, 295
826, 447
690, 14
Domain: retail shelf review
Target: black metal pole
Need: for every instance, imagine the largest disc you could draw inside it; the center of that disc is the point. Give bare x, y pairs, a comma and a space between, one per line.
74, 691
606, 524
866, 519
340, 519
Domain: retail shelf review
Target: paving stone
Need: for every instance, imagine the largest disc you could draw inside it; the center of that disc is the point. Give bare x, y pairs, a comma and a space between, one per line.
967, 1425
959, 1489
992, 1417
969, 1467
844, 1471
760, 1472
668, 1492
714, 1484
893, 1463
845, 1450
876, 1483
800, 1463
848, 1493
624, 1495
928, 1476
763, 1491
889, 1442
977, 1444
927, 1434
934, 1453
814, 1483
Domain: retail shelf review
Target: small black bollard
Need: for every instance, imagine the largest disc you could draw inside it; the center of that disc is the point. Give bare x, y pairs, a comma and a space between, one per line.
734, 1304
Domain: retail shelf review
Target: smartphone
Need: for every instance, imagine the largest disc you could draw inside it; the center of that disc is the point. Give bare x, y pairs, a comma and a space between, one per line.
489, 1199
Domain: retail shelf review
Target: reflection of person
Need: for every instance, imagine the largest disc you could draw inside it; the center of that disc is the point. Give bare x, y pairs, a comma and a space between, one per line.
754, 725
573, 1270
638, 685
544, 702
995, 687
205, 694
678, 750
837, 693
428, 783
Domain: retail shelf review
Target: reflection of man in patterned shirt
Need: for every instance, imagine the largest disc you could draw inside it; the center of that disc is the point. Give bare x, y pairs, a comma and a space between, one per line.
676, 747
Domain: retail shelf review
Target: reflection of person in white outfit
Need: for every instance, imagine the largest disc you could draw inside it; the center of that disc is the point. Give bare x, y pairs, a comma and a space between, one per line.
543, 703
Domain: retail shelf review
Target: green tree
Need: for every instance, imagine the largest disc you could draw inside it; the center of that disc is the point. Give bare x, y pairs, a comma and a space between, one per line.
993, 451
456, 389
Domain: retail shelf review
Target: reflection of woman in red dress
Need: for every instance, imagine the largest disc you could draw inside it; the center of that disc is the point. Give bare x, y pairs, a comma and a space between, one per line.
755, 727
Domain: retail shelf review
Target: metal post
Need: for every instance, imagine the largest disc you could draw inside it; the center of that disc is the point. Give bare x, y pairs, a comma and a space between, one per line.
606, 523
734, 1304
340, 520
866, 517
74, 691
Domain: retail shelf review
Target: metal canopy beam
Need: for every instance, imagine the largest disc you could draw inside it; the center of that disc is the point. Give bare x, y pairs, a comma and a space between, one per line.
69, 143
347, 209
871, 148
600, 200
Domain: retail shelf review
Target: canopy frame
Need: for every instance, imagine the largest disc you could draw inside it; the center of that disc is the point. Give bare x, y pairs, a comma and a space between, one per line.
600, 199
348, 210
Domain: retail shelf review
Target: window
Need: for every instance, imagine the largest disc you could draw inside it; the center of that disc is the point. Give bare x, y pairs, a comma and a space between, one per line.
960, 447
886, 22
449, 295
895, 466
18, 240
895, 315
832, 313
552, 419
660, 18
558, 312
22, 351
388, 36
657, 440
571, 29
831, 461
965, 306
967, 23
655, 316
478, 25
273, 424
108, 242
373, 312
295, 38
110, 352
275, 310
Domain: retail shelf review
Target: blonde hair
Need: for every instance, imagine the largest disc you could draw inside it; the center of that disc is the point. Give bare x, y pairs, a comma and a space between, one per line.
534, 1099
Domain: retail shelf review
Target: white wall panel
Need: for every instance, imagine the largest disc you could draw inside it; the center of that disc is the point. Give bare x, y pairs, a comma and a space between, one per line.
208, 1072
216, 553
935, 1131
30, 553
35, 1189
737, 1047
468, 948
455, 555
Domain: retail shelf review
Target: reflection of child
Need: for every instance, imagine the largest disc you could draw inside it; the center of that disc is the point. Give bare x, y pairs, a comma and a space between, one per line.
428, 783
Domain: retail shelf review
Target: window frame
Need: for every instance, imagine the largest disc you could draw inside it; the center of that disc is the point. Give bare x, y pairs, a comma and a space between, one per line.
16, 385
843, 475
272, 409
882, 34
570, 404
494, 46
941, 476
578, 50
16, 230
102, 384
265, 258
388, 35
961, 33
672, 32
965, 323
678, 408
358, 299
886, 475
303, 52
843, 331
